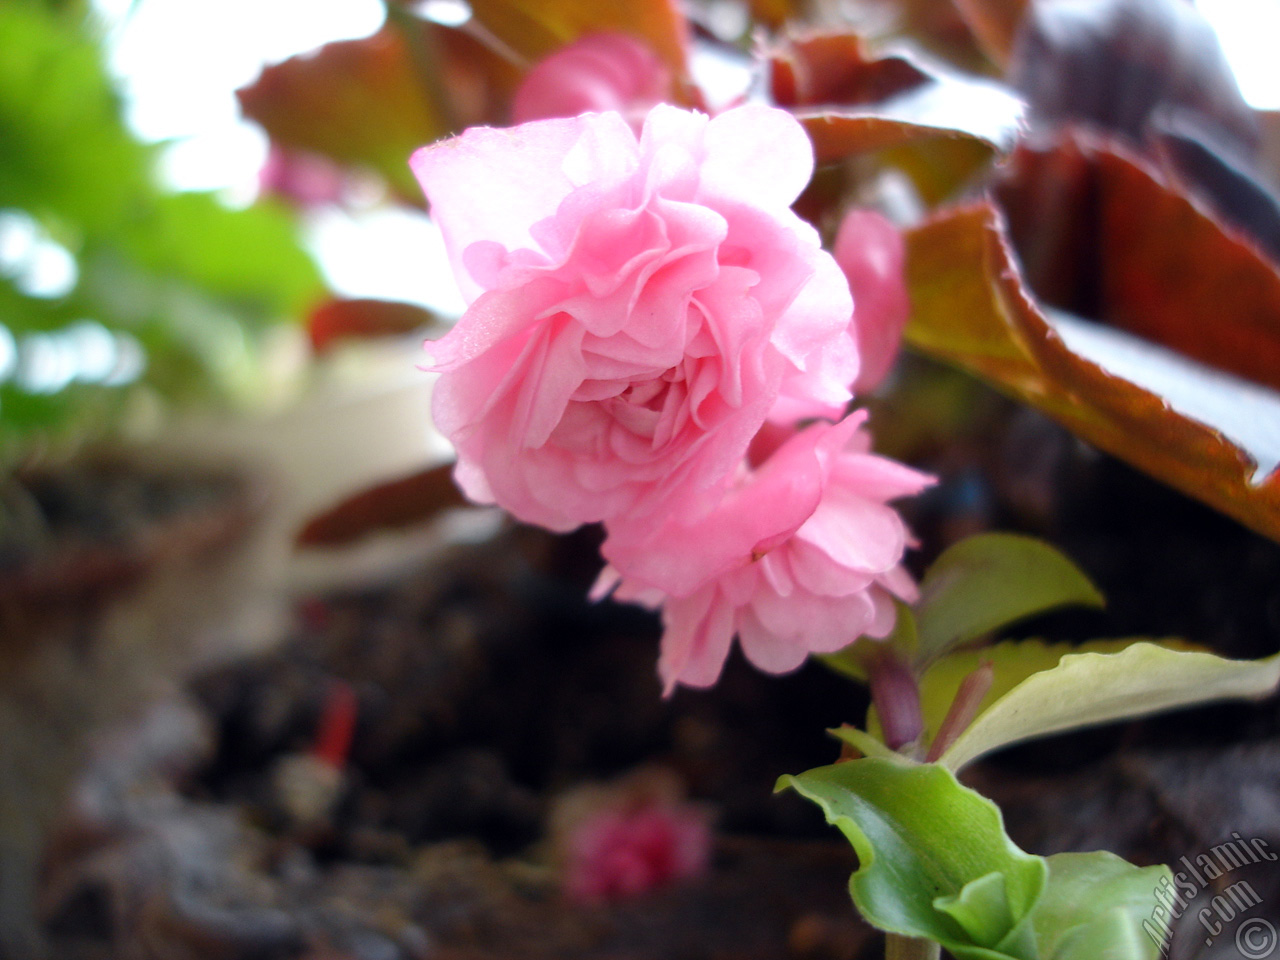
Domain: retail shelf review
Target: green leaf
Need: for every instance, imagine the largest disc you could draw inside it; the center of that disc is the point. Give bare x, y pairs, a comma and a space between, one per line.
862, 741
249, 258
991, 580
1068, 923
65, 151
934, 860
1092, 688
1012, 662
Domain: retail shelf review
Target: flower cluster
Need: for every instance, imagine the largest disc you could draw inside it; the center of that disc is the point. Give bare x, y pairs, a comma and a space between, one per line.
648, 323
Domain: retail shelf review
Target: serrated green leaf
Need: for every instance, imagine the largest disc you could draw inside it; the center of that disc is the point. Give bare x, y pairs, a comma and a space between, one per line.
1068, 923
989, 581
1092, 688
923, 840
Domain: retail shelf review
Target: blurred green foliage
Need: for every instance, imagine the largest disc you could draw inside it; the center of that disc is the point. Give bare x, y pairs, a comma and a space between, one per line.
170, 293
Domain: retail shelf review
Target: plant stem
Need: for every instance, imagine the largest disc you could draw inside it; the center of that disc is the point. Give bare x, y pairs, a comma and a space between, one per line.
896, 695
909, 948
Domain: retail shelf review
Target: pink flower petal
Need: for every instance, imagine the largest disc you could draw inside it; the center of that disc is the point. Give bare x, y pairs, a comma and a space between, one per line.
494, 184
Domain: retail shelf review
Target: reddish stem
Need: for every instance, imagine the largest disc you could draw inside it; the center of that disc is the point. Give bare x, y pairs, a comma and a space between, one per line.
896, 695
963, 708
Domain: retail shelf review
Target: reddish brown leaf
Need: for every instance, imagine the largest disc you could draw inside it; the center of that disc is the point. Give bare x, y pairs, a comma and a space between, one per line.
535, 28
1127, 65
972, 309
935, 25
1105, 235
388, 506
994, 24
835, 68
1269, 152
977, 111
339, 319
372, 102
774, 13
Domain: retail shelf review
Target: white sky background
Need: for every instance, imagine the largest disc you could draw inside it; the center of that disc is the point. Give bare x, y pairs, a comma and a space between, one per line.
180, 62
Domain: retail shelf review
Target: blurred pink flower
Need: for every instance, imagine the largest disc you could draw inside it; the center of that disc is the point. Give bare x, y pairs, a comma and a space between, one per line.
306, 179
636, 308
622, 851
802, 556
598, 73
871, 253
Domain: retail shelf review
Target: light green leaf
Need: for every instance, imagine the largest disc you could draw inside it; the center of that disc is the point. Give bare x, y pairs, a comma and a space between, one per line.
862, 741
250, 259
991, 580
1068, 923
1012, 662
928, 849
1091, 688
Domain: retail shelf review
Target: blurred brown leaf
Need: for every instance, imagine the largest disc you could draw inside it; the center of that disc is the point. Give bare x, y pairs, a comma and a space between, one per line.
1269, 153
1105, 235
372, 102
937, 26
340, 319
941, 133
1125, 65
535, 28
817, 68
994, 24
972, 309
388, 506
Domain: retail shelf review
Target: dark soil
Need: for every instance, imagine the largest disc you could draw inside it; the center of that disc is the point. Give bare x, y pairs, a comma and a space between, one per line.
487, 688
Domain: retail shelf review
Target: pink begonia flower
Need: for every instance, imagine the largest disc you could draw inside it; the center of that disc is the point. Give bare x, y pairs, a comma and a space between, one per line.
301, 177
871, 253
636, 308
621, 852
802, 556
600, 72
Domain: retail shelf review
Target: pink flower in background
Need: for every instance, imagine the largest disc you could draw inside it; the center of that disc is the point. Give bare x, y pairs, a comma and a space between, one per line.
618, 852
301, 177
802, 556
636, 311
600, 72
870, 251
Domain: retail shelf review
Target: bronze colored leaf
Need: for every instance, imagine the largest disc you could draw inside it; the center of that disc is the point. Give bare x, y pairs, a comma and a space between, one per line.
972, 309
994, 24
1105, 235
372, 102
1123, 65
835, 68
339, 319
975, 111
535, 28
388, 506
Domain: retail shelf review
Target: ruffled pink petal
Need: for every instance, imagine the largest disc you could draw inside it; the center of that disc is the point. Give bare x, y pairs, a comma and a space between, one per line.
696, 641
683, 553
757, 153
495, 184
